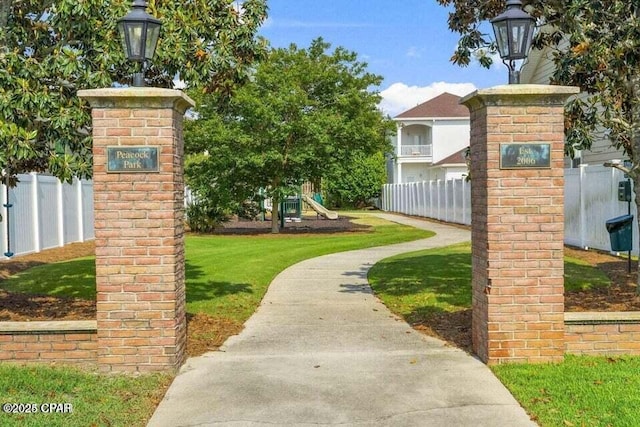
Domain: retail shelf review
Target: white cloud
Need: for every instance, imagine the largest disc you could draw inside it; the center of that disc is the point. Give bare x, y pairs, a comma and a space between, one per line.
399, 97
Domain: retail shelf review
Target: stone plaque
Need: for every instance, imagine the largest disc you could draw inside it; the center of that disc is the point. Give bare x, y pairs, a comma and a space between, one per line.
525, 156
131, 159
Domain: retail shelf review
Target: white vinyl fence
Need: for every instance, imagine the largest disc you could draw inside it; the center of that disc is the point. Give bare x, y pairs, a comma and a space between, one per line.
448, 201
591, 198
43, 213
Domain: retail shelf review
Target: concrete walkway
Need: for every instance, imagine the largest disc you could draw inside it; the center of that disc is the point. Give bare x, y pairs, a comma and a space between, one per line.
323, 350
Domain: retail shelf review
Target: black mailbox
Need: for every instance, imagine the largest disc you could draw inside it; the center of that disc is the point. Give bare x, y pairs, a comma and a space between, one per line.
620, 233
624, 191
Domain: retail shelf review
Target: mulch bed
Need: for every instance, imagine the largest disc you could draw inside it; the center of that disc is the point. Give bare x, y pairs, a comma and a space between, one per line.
309, 224
206, 333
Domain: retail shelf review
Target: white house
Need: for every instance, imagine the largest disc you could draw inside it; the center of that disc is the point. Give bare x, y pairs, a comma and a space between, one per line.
430, 141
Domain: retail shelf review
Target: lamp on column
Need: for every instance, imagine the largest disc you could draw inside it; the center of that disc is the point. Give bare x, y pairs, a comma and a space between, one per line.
140, 33
514, 32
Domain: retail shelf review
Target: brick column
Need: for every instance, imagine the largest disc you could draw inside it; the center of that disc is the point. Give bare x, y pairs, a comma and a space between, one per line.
139, 227
518, 222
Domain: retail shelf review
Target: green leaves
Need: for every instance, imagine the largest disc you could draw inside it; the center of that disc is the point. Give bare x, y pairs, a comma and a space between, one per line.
300, 115
601, 58
51, 49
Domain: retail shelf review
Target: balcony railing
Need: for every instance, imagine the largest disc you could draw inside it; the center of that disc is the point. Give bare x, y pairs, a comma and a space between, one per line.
415, 150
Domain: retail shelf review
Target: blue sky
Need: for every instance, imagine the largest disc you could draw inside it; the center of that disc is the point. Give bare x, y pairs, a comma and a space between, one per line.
405, 41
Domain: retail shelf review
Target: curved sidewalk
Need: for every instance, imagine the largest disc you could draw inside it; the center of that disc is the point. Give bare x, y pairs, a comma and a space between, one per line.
322, 350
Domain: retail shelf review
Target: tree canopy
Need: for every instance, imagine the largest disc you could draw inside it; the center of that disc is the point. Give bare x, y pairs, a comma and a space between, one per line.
302, 112
49, 49
594, 45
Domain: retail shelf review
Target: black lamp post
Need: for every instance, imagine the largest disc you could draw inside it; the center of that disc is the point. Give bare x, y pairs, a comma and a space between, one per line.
514, 32
140, 33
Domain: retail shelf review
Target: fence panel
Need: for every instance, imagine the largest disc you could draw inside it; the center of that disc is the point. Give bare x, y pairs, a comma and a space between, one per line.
48, 210
86, 190
443, 200
44, 213
71, 213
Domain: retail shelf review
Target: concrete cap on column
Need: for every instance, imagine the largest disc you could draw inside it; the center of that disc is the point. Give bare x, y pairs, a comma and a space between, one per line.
137, 97
519, 94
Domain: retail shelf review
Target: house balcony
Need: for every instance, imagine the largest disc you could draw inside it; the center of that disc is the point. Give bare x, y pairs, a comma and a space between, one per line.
416, 150
416, 153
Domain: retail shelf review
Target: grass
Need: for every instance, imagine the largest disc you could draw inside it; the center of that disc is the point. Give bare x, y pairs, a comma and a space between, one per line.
97, 400
75, 278
226, 276
439, 280
417, 284
582, 391
580, 276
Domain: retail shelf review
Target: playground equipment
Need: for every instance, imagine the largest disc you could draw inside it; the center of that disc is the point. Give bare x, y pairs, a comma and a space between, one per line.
320, 210
290, 209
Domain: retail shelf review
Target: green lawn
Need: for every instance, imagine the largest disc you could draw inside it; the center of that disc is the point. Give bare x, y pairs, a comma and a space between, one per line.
420, 283
439, 280
227, 277
582, 391
97, 400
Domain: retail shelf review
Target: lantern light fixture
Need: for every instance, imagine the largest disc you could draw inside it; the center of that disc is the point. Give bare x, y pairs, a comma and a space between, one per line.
513, 30
140, 32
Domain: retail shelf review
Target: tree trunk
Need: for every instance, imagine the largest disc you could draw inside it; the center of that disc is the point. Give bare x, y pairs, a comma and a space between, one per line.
275, 209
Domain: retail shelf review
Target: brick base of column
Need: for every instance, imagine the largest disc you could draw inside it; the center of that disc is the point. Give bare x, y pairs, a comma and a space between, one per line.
139, 229
517, 225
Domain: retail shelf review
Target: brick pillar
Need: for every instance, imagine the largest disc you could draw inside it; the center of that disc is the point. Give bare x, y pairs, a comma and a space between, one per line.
517, 198
139, 227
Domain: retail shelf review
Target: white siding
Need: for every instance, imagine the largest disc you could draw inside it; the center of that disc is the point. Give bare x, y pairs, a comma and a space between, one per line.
449, 136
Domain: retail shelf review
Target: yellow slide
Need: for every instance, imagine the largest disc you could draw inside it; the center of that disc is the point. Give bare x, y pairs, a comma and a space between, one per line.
319, 208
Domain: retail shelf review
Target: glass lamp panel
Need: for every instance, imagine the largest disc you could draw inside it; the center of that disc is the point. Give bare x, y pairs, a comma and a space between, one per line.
522, 37
502, 38
123, 38
134, 33
153, 32
518, 40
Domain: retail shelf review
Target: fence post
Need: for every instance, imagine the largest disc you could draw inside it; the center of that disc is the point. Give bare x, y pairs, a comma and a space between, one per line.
454, 204
423, 194
414, 198
5, 223
583, 217
77, 183
35, 208
60, 206
439, 214
465, 207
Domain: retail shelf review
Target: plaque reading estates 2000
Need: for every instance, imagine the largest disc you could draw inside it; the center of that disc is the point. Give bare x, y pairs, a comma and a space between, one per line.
132, 159
525, 156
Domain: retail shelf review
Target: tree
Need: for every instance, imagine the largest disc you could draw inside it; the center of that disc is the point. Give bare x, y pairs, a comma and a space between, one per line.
599, 53
359, 182
302, 112
49, 49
